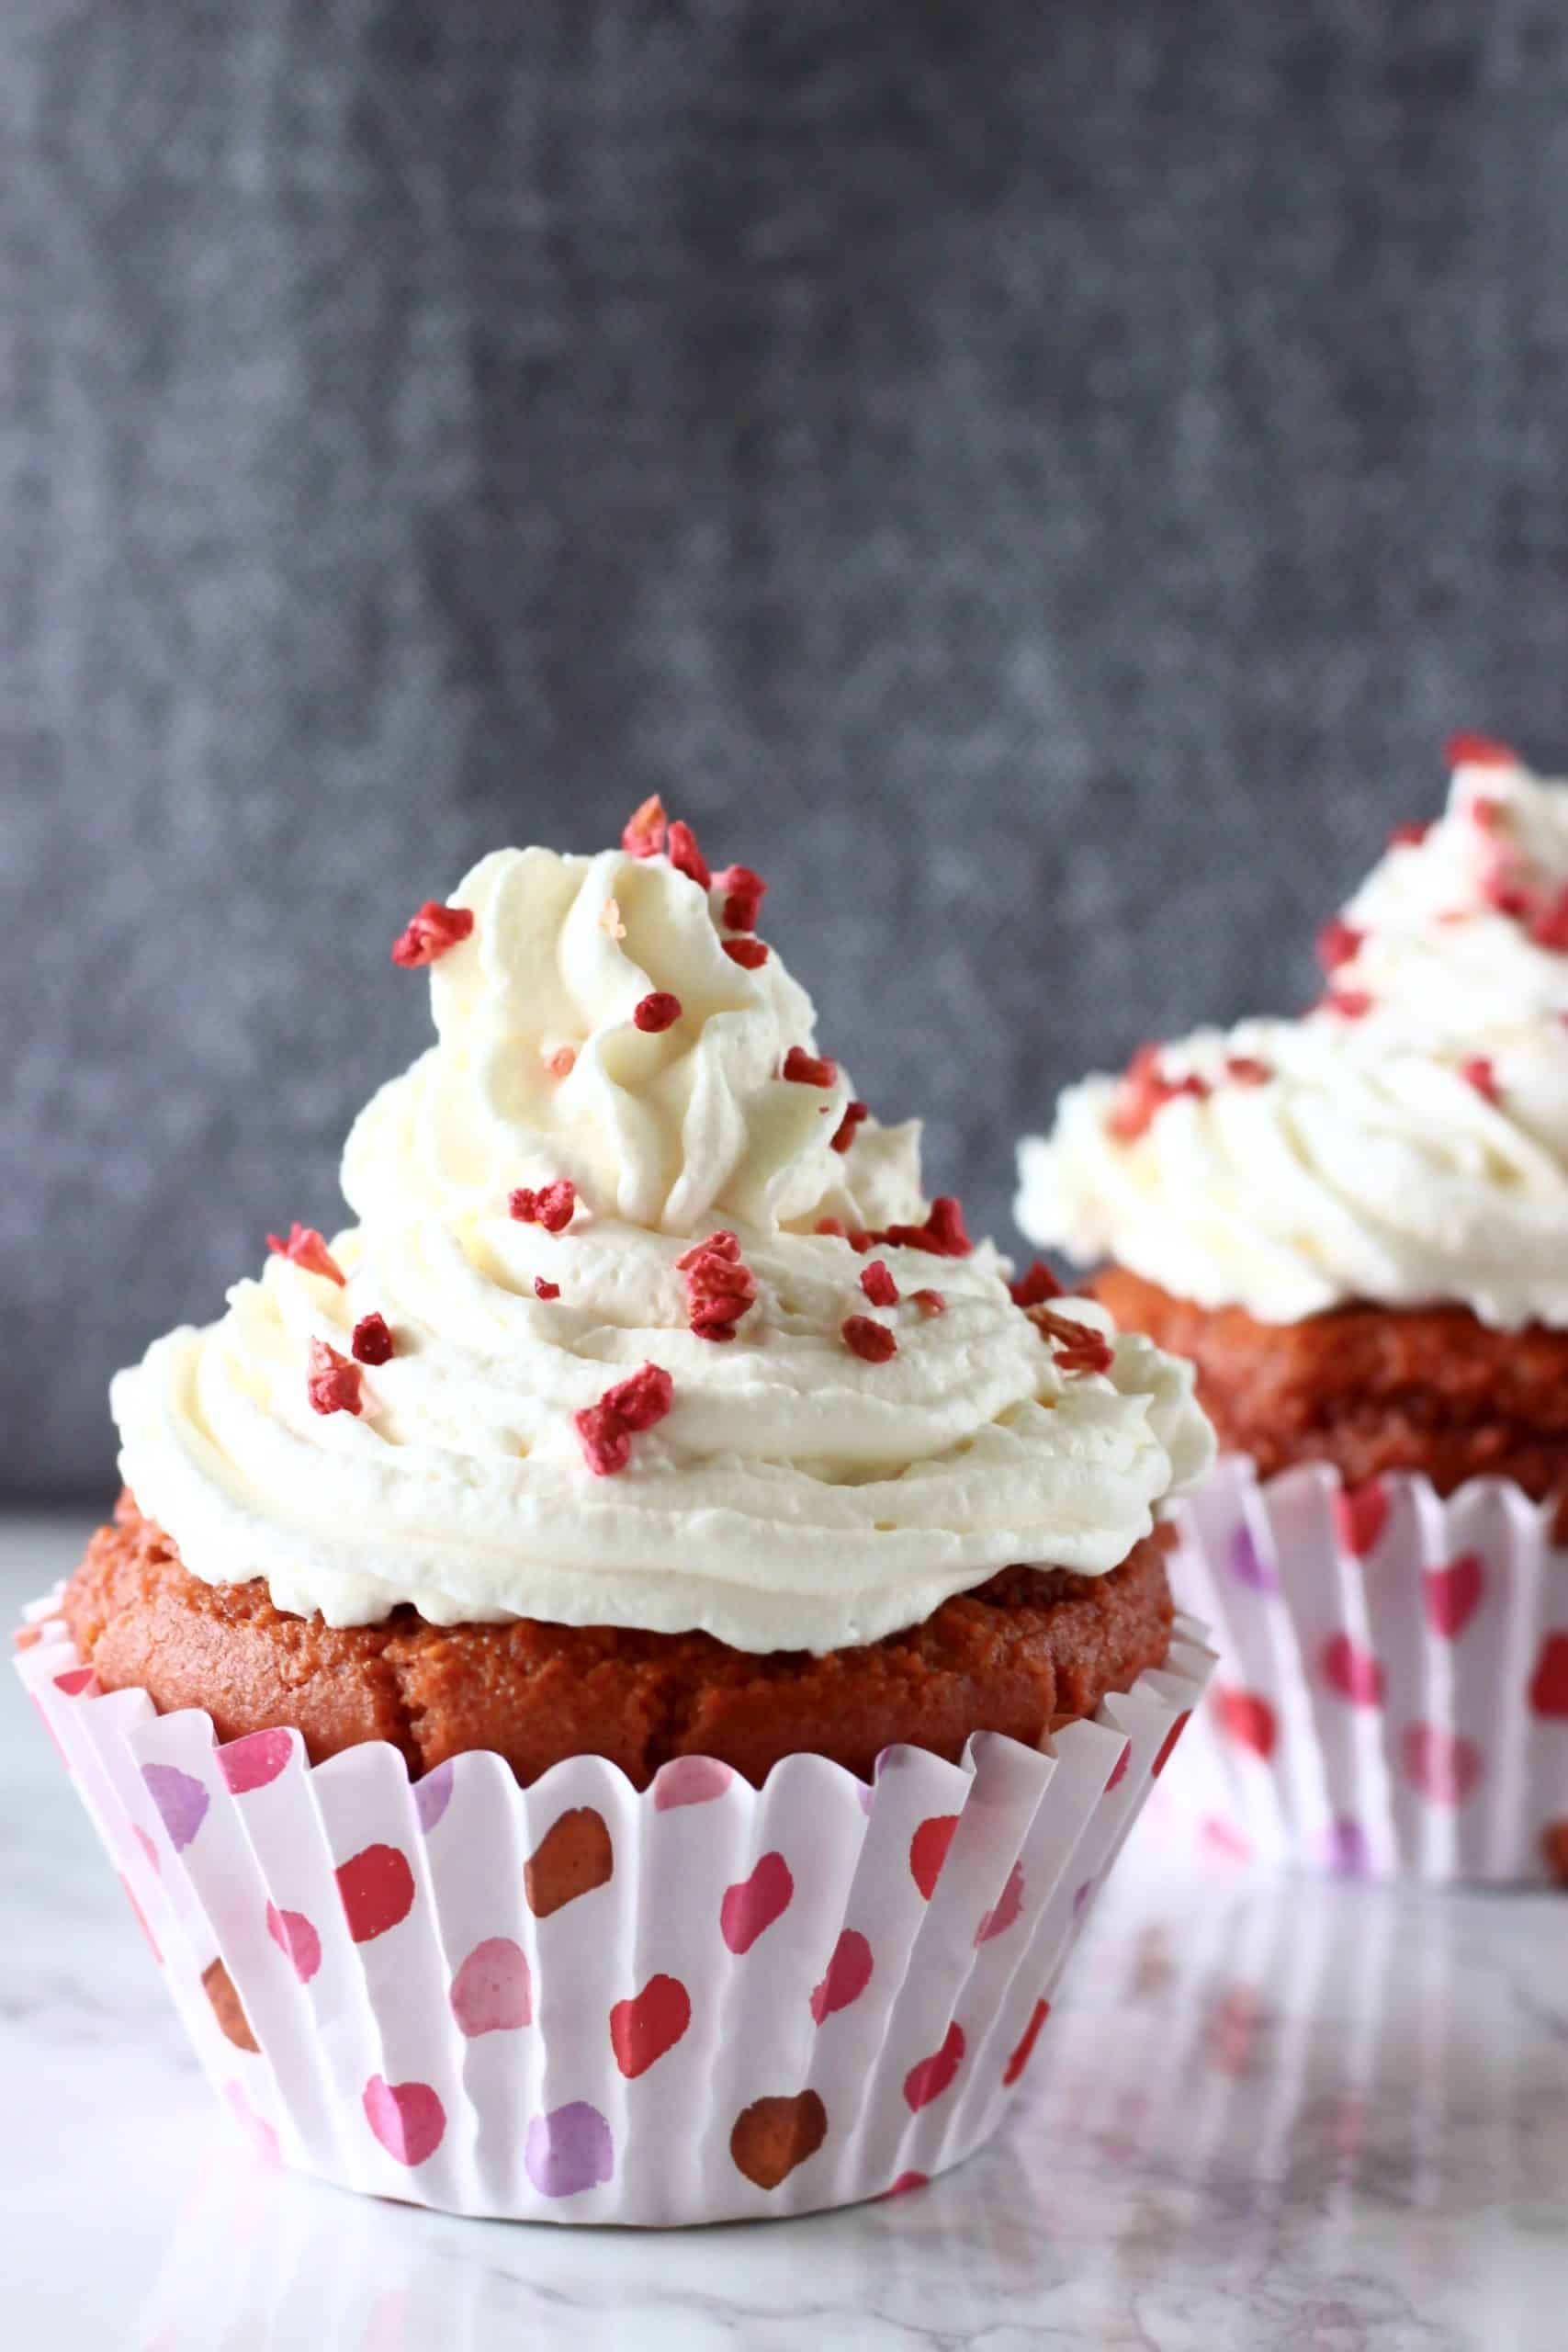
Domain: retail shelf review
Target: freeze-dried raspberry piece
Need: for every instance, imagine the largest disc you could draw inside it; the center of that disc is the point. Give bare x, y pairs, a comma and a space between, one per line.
1478, 751
605, 1438
304, 1248
551, 1205
809, 1069
605, 1429
941, 1235
644, 832
1078, 1346
1550, 928
873, 1341
1479, 1072
1036, 1286
719, 1288
372, 1341
686, 857
546, 1289
430, 933
1350, 1004
743, 894
844, 1133
656, 1011
1144, 1090
750, 953
1245, 1069
930, 1301
878, 1284
332, 1384
1408, 836
1338, 942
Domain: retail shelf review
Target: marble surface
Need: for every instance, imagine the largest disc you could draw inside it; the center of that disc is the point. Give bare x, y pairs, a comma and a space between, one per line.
1265, 2113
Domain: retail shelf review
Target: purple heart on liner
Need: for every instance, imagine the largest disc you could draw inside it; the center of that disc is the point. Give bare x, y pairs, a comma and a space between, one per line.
433, 1795
181, 1802
1247, 1564
568, 2150
1346, 1849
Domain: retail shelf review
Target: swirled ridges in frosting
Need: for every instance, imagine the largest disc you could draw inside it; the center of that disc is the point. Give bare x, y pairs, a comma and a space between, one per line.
1405, 1141
794, 1493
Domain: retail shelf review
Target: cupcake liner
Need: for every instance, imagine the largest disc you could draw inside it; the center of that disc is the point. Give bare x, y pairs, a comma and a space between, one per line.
1393, 1696
578, 2002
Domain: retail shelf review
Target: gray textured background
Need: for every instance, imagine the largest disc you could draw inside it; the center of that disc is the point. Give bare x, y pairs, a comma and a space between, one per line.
1039, 482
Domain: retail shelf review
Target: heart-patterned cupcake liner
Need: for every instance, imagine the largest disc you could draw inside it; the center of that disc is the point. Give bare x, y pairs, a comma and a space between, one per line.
1393, 1697
578, 2002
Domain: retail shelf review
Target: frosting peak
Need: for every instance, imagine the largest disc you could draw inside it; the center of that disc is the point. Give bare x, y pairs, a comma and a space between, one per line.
518, 1386
1404, 1141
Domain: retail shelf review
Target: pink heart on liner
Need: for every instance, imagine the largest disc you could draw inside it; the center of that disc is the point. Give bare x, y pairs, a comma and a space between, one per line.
1353, 1672
1007, 1908
934, 2075
1247, 1719
252, 1762
651, 2022
491, 1992
689, 1780
1361, 1514
846, 1977
751, 1905
1442, 1764
407, 2118
292, 1933
1453, 1594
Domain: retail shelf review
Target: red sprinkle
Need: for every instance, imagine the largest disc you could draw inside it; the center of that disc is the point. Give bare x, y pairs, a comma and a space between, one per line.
1144, 1089
644, 833
743, 894
542, 1289
1247, 1070
430, 933
941, 1235
844, 1133
656, 1011
873, 1341
550, 1206
809, 1069
1482, 1076
333, 1385
605, 1429
1036, 1286
372, 1341
719, 1288
930, 1301
686, 857
1079, 1348
750, 953
304, 1248
1549, 929
1351, 1004
1338, 942
1478, 751
1408, 836
878, 1284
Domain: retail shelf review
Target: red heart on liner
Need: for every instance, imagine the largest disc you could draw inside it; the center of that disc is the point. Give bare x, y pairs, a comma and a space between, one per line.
1025, 2050
1361, 1514
1441, 1764
1248, 1720
934, 2075
751, 1905
1549, 1684
1354, 1673
651, 2022
847, 1976
928, 1850
1453, 1594
1167, 1744
377, 1887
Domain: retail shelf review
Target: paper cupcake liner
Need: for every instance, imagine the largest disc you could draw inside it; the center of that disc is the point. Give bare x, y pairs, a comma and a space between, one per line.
576, 2002
1393, 1699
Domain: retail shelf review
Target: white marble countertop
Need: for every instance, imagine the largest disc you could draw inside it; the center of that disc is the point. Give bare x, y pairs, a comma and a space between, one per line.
1271, 2113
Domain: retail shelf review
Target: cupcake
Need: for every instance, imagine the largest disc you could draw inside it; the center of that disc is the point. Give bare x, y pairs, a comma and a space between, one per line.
1355, 1224
613, 1679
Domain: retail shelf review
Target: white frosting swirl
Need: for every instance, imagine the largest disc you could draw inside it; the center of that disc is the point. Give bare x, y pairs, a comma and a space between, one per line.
796, 1495
1405, 1142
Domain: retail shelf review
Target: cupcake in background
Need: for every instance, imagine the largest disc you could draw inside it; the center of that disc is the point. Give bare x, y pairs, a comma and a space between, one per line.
1355, 1224
614, 1678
